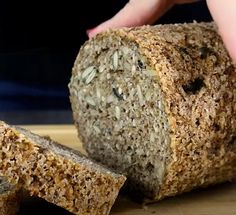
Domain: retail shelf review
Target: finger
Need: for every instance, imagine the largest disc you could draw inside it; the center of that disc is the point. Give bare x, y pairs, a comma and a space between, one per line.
185, 1
135, 13
224, 14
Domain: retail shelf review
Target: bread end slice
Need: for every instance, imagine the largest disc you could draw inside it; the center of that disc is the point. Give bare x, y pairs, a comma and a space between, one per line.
56, 173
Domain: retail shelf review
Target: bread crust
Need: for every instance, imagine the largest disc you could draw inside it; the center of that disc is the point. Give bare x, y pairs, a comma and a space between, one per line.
203, 123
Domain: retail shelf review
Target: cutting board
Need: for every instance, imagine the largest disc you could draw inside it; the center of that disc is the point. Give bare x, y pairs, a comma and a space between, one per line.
216, 200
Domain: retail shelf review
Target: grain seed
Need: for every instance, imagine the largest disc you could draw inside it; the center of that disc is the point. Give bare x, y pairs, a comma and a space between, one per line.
117, 112
119, 90
101, 68
97, 130
133, 69
149, 72
87, 71
108, 75
98, 93
91, 77
140, 95
90, 101
89, 74
115, 60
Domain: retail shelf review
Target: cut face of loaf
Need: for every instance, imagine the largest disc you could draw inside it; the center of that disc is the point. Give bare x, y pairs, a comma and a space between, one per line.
158, 104
56, 173
10, 197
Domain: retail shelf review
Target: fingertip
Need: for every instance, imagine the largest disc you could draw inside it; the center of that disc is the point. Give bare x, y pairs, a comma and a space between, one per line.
224, 15
135, 13
228, 35
231, 47
90, 32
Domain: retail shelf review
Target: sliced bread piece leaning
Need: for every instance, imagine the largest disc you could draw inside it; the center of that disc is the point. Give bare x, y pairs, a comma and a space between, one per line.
158, 104
56, 173
10, 197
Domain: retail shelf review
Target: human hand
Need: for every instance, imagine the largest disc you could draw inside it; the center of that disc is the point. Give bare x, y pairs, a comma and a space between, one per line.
141, 12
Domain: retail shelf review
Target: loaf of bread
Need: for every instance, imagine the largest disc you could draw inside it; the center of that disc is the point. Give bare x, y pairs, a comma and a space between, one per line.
56, 173
158, 103
10, 197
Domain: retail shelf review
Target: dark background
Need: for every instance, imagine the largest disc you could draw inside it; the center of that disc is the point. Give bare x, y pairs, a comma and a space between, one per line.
39, 41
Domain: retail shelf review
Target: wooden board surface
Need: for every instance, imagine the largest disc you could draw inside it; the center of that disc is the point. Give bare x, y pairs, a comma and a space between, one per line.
216, 200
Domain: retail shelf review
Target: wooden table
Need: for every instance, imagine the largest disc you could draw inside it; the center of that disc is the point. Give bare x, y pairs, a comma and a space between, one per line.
217, 200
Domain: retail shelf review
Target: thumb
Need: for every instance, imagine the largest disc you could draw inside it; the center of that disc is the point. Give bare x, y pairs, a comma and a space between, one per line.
224, 14
135, 13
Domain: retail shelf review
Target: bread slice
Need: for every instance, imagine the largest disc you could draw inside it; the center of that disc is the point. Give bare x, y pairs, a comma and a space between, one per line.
56, 173
158, 104
10, 197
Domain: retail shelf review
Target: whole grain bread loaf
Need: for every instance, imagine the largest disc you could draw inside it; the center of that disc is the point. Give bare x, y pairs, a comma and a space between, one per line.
158, 103
56, 173
10, 196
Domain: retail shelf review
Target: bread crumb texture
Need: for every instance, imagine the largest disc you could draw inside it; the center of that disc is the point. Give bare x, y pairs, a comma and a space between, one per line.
74, 185
197, 85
